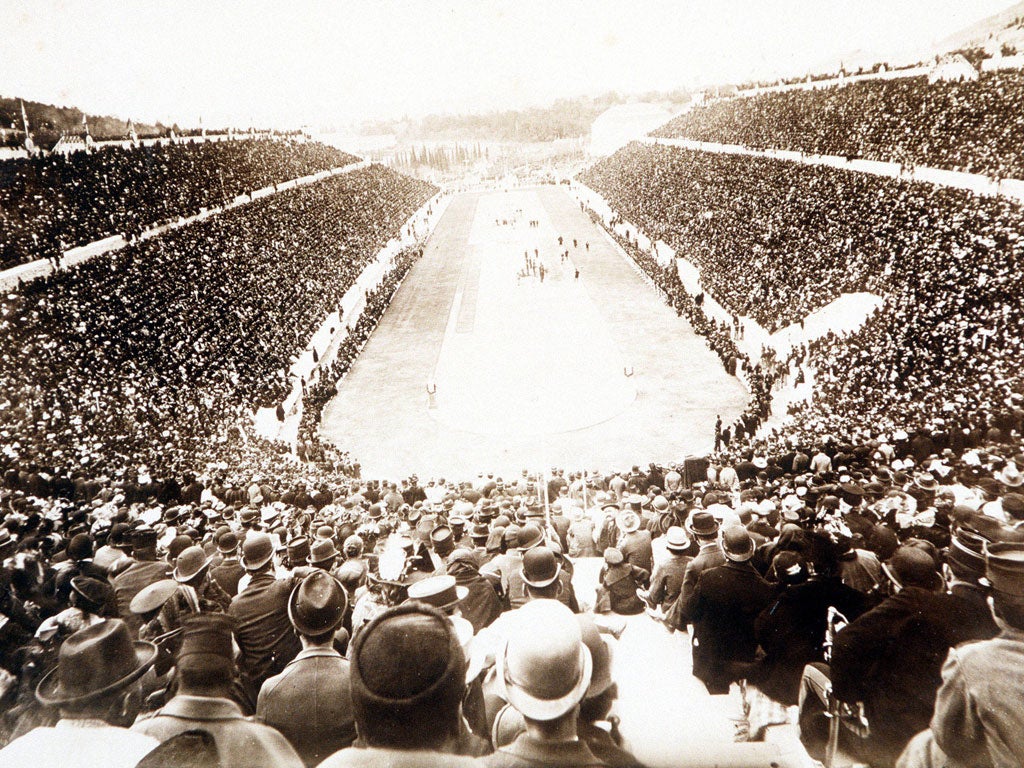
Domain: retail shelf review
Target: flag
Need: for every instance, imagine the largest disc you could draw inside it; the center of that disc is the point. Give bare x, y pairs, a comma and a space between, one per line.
29, 144
85, 125
132, 133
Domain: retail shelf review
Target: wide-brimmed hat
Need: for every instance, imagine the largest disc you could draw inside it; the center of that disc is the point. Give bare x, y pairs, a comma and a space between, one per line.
321, 551
93, 662
318, 603
926, 481
1010, 476
257, 551
544, 670
702, 524
439, 591
627, 521
190, 563
676, 539
737, 544
540, 567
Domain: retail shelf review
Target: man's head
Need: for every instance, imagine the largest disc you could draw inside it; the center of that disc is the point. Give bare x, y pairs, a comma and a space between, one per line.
408, 679
1004, 569
317, 605
205, 660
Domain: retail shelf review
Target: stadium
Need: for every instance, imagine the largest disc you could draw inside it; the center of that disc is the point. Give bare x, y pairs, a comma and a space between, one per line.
512, 386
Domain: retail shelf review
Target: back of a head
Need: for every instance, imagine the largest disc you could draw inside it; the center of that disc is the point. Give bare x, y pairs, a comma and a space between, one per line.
408, 679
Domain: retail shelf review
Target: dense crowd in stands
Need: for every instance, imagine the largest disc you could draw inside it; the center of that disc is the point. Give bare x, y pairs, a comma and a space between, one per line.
153, 354
972, 126
50, 202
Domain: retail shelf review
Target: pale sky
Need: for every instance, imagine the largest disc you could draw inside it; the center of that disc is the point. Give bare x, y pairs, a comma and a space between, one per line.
289, 62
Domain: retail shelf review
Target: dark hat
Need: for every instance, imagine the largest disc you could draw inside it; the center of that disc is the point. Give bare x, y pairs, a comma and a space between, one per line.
912, 566
93, 592
442, 540
318, 603
439, 591
178, 545
324, 532
1013, 505
321, 551
257, 551
143, 537
540, 567
206, 642
1004, 567
248, 516
702, 524
529, 536
94, 662
479, 531
967, 552
298, 549
227, 544
190, 564
737, 544
151, 597
790, 567
407, 670
79, 548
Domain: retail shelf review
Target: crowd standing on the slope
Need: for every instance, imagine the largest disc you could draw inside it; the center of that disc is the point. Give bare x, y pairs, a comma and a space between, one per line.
971, 126
50, 203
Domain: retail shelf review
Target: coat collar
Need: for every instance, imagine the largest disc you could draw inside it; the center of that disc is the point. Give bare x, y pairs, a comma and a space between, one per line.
201, 708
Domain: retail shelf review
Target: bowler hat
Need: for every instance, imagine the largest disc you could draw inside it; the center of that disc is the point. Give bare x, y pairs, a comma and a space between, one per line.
676, 539
737, 544
540, 567
227, 544
257, 551
702, 524
529, 536
318, 603
190, 563
544, 670
94, 662
911, 566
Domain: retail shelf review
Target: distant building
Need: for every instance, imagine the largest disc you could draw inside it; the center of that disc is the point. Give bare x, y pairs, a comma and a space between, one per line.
952, 67
621, 124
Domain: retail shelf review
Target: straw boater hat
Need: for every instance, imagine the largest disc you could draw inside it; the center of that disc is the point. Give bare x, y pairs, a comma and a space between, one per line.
676, 539
439, 591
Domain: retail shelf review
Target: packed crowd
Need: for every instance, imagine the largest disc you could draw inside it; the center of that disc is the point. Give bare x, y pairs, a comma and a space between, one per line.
973, 126
49, 203
159, 353
375, 618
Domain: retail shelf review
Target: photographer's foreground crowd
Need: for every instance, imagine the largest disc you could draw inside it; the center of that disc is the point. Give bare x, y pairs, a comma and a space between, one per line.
364, 622
971, 126
158, 353
50, 203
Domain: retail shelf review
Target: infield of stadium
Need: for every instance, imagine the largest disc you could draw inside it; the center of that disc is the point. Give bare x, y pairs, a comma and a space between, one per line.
527, 374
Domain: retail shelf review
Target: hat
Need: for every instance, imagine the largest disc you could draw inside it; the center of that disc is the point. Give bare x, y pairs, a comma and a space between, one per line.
790, 567
257, 551
93, 662
353, 546
627, 521
479, 531
760, 462
227, 544
143, 537
702, 524
925, 481
529, 536
248, 516
1013, 505
1010, 475
151, 597
600, 654
540, 568
190, 563
298, 549
439, 591
407, 669
967, 550
1004, 567
613, 556
206, 642
676, 539
737, 544
79, 548
321, 551
911, 566
324, 532
93, 591
318, 603
544, 669
442, 540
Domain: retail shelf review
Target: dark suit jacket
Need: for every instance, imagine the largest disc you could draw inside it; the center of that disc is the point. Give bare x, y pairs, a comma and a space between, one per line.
311, 705
709, 556
636, 549
228, 574
264, 633
723, 607
133, 580
667, 581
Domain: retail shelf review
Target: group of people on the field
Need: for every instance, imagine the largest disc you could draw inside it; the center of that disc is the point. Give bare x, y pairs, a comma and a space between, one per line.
158, 353
959, 126
70, 200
